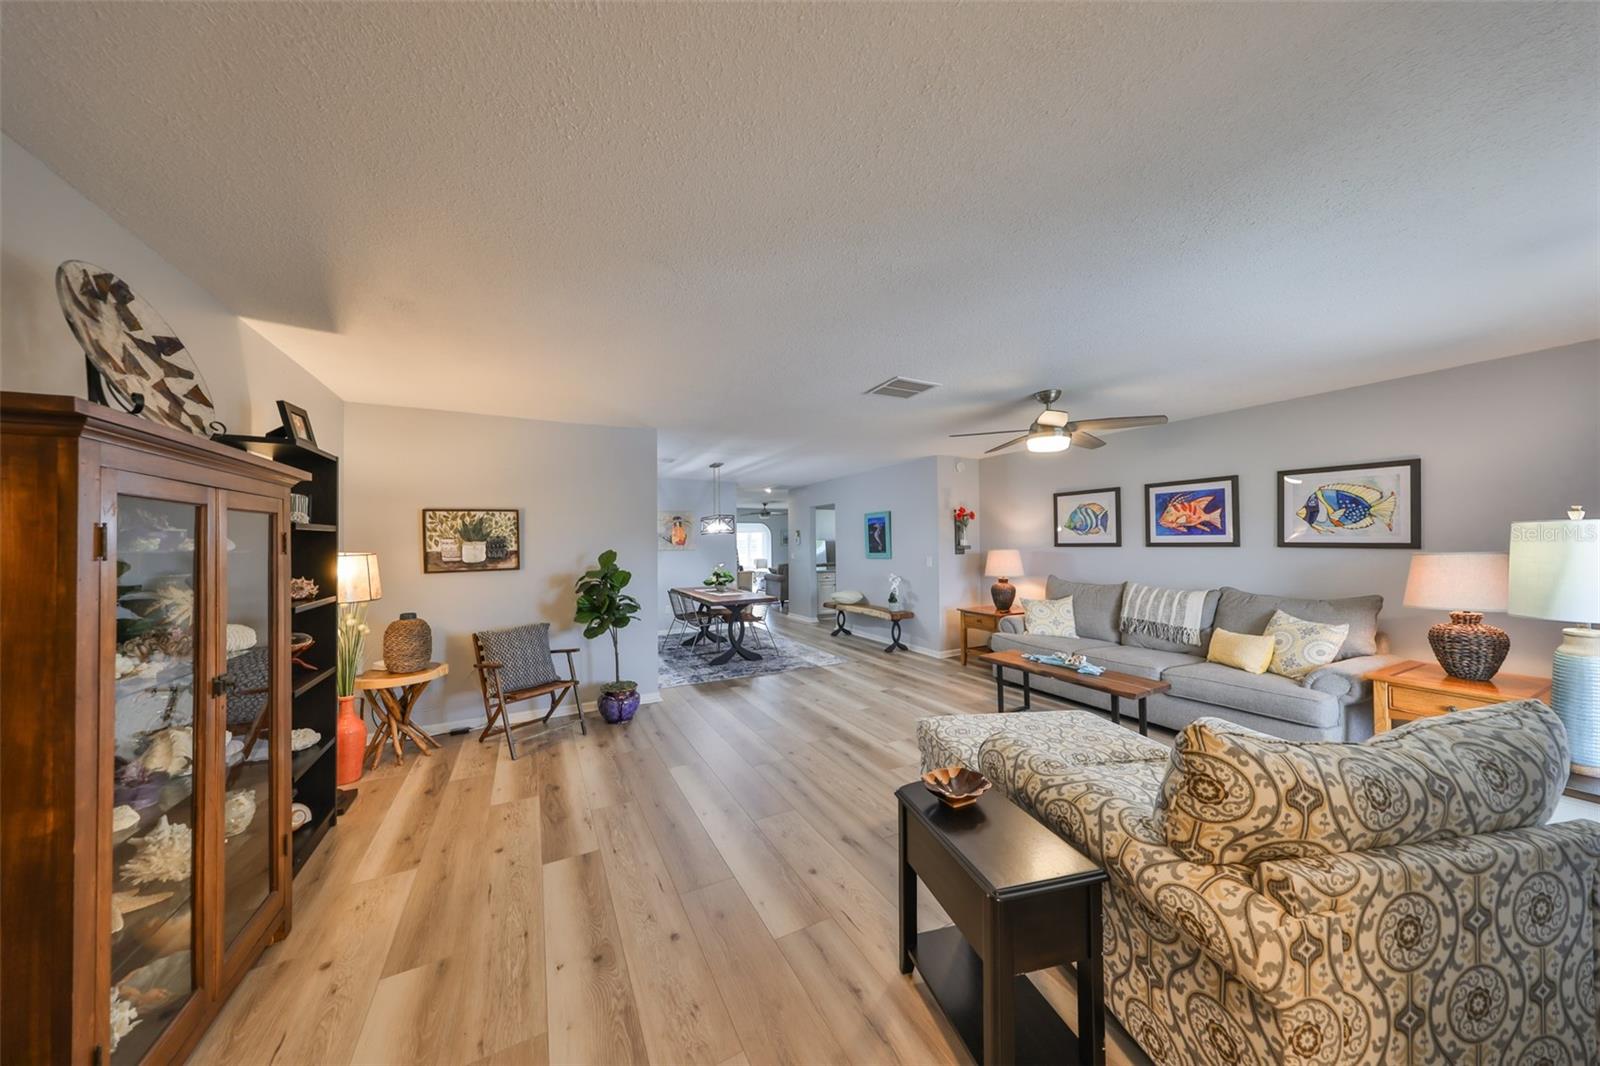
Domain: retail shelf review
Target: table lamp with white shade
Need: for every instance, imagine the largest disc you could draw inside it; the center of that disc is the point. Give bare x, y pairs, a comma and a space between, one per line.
1555, 574
1003, 563
1466, 584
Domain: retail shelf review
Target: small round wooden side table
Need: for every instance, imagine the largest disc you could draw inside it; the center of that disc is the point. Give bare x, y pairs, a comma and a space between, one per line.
392, 697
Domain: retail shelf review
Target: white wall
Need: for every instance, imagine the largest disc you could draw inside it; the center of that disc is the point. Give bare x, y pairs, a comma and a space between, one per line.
1499, 441
909, 491
44, 221
691, 567
959, 575
581, 489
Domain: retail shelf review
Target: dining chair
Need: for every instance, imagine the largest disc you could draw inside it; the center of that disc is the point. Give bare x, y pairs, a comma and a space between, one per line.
683, 612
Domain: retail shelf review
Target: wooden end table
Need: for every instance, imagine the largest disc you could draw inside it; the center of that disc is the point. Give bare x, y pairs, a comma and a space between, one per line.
1409, 690
392, 697
1022, 899
983, 617
1118, 686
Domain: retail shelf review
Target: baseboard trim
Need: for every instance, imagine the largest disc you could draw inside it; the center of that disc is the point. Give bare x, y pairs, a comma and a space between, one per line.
435, 729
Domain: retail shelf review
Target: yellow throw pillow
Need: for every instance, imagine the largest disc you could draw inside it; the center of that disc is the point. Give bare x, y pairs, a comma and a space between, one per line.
1300, 646
1242, 651
1049, 618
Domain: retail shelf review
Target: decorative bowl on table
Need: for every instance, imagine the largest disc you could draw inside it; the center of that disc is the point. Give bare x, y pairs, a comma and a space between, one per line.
847, 596
956, 786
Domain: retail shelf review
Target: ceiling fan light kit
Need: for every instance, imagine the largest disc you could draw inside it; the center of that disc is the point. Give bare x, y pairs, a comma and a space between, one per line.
1054, 431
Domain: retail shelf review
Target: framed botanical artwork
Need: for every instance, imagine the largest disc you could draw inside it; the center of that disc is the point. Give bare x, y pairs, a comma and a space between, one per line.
1199, 513
672, 530
1089, 518
880, 543
1359, 505
455, 542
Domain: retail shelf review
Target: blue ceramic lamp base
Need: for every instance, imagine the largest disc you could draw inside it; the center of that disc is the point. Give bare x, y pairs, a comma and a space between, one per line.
1575, 695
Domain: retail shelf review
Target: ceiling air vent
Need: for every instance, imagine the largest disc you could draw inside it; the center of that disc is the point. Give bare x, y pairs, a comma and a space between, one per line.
902, 388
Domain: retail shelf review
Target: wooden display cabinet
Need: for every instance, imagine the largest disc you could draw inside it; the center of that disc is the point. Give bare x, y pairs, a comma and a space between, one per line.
144, 743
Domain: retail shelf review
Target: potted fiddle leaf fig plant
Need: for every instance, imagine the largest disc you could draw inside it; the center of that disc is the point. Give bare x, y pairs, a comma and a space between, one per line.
604, 608
474, 533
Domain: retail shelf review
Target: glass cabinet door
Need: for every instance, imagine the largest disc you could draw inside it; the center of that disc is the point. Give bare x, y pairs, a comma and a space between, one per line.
249, 689
157, 614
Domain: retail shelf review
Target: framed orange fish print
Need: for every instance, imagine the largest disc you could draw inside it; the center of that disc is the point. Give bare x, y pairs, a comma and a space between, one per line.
1358, 505
1203, 512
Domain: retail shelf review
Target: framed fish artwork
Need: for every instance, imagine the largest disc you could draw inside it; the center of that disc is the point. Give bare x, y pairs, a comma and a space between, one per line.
1359, 505
1089, 518
1199, 513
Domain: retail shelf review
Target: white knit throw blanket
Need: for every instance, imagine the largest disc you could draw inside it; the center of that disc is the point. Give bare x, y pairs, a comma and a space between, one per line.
1163, 614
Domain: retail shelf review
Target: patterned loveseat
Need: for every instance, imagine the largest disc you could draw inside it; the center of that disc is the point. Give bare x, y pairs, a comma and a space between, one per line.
1315, 904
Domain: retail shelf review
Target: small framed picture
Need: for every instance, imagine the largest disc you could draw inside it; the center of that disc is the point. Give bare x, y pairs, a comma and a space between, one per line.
1359, 505
1089, 518
296, 423
880, 543
1199, 513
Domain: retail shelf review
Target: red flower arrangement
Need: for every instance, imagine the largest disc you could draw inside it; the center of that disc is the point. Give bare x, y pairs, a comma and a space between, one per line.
964, 515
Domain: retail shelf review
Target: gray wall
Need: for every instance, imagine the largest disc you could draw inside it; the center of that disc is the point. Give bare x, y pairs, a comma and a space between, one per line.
44, 221
581, 489
691, 567
910, 492
1499, 441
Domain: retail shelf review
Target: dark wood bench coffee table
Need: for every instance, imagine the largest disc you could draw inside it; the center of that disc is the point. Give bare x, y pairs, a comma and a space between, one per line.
1022, 899
870, 610
1118, 686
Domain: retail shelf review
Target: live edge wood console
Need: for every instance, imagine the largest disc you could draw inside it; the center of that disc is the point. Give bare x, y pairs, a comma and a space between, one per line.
870, 610
144, 745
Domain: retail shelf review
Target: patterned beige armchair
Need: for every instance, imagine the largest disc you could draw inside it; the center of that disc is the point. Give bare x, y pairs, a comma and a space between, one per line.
1319, 903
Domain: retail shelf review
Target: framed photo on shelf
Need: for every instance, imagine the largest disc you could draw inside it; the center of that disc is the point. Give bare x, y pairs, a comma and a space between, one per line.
880, 543
1088, 518
455, 542
1203, 512
296, 423
1358, 505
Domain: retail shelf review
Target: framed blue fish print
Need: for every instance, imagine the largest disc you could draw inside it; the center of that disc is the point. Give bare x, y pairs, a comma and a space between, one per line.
1359, 505
1199, 513
879, 542
1089, 518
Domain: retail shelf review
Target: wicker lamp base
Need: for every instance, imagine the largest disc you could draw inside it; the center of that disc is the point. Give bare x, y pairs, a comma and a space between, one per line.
407, 645
1467, 648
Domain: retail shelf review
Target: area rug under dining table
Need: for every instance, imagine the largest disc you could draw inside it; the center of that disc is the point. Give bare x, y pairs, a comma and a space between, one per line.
692, 666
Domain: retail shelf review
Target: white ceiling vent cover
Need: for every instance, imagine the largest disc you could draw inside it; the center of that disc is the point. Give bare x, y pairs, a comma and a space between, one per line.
902, 388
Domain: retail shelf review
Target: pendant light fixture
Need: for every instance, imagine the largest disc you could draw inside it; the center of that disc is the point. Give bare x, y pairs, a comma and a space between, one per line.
717, 521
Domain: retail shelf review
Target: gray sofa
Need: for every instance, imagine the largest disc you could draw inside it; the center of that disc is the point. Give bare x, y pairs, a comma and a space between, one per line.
1334, 703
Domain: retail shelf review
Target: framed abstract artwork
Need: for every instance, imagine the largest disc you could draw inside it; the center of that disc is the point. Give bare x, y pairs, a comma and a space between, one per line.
880, 542
455, 542
672, 530
1203, 512
1358, 505
1088, 518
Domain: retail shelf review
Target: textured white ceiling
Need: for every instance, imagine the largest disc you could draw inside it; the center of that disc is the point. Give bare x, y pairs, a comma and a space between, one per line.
726, 221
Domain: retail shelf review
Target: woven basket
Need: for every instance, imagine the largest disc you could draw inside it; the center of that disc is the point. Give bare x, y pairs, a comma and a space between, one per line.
1467, 648
407, 645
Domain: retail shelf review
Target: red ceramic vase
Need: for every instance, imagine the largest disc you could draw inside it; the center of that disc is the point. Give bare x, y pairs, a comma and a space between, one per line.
352, 741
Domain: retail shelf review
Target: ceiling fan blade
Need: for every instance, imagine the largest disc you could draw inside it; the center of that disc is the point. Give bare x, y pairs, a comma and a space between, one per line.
1127, 422
1080, 439
989, 433
1007, 444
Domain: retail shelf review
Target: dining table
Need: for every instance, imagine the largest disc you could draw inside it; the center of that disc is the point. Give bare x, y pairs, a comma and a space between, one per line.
731, 606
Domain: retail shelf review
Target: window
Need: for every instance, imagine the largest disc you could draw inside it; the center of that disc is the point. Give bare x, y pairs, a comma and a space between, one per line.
755, 542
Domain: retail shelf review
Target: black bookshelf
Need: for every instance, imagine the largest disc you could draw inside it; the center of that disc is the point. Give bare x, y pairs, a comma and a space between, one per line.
313, 553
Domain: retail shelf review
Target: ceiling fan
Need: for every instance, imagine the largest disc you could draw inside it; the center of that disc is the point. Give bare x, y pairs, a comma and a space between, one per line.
1054, 431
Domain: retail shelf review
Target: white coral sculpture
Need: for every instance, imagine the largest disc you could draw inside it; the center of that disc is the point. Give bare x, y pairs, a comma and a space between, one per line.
239, 811
162, 854
170, 751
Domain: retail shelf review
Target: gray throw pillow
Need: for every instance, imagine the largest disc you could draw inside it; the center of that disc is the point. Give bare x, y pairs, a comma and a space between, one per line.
1249, 612
1097, 609
524, 654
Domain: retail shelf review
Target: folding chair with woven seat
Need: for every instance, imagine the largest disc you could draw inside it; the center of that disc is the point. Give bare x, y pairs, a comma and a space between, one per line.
516, 664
